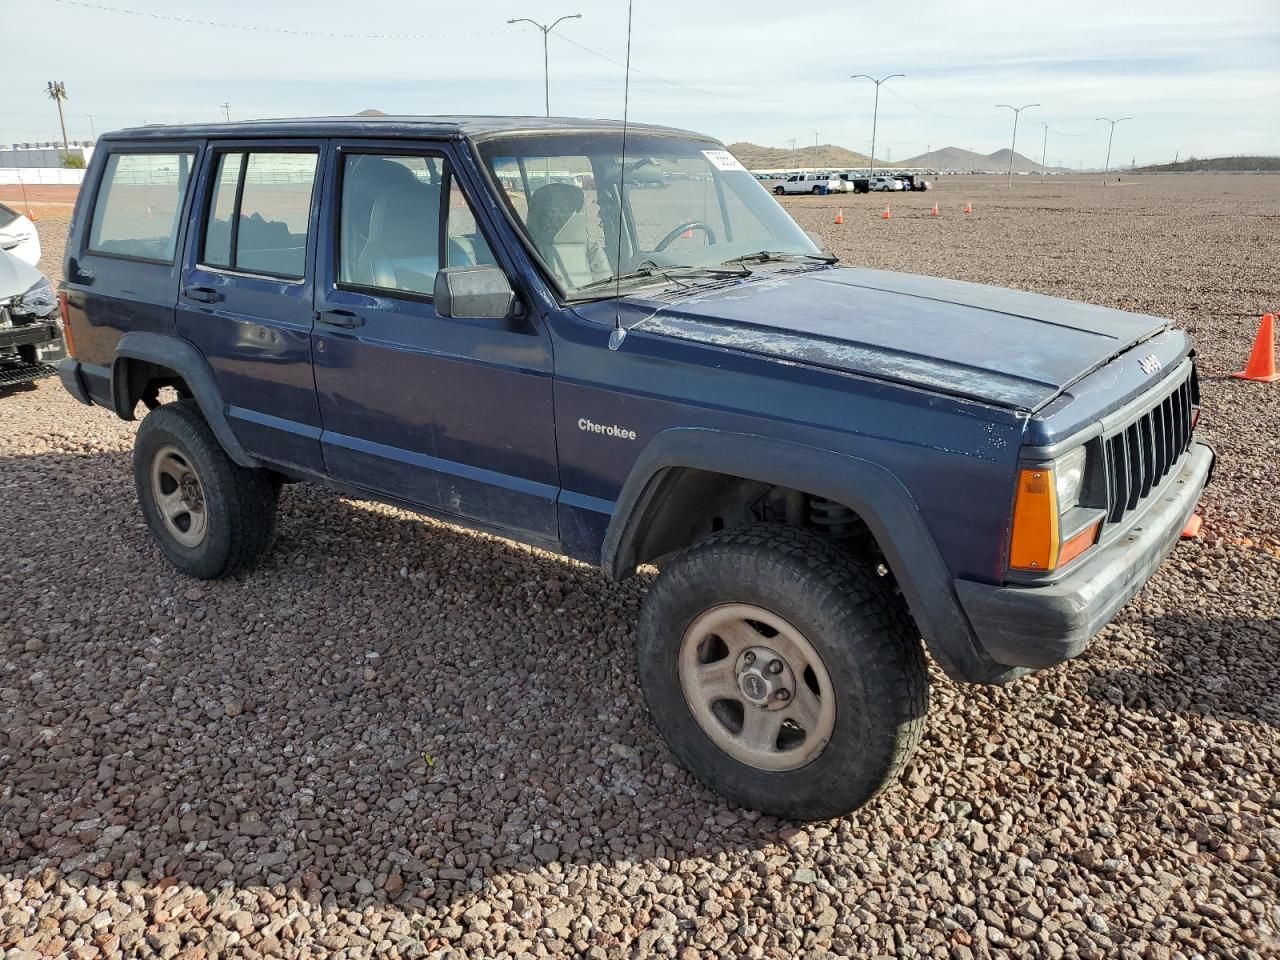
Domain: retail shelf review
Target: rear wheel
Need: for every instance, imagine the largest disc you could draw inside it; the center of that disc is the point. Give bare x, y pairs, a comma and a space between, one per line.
816, 191
211, 517
782, 672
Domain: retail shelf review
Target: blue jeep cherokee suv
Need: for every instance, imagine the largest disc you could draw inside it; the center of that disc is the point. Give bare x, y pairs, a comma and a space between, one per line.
625, 351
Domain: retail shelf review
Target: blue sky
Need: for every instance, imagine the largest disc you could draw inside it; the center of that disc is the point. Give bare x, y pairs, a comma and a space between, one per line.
1197, 78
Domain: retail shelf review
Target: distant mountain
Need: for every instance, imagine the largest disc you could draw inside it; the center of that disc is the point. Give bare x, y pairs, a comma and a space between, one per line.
371, 113
826, 156
953, 158
1217, 165
831, 157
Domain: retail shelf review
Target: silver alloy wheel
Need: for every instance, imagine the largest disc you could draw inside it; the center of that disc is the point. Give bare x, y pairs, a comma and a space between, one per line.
757, 687
179, 496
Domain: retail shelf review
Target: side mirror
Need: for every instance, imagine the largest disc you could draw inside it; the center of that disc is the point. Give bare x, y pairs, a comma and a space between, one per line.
473, 293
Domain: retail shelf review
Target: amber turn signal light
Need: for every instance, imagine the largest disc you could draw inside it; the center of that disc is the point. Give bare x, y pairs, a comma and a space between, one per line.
1035, 522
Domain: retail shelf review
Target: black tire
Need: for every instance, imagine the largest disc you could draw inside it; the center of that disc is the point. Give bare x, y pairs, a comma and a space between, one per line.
779, 191
240, 503
859, 626
816, 190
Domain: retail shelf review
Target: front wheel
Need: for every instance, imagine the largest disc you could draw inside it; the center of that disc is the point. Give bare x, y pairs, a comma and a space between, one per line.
211, 517
783, 672
779, 191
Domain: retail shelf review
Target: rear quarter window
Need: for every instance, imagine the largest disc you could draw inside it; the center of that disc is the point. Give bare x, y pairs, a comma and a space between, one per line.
139, 205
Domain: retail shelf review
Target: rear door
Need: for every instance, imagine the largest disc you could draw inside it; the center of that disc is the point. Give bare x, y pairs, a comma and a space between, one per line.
246, 293
454, 415
122, 263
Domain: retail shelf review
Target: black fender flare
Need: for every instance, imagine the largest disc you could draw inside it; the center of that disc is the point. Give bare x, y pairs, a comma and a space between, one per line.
865, 487
185, 360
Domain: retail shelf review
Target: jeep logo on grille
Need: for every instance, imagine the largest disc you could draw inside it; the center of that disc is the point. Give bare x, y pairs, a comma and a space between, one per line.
1149, 364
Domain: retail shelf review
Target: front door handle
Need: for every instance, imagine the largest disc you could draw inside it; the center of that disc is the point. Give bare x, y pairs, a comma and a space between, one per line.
202, 294
339, 318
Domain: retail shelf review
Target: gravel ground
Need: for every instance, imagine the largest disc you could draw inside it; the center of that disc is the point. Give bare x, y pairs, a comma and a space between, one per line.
403, 739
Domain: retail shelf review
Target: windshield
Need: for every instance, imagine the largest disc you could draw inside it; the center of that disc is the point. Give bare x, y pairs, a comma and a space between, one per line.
687, 206
7, 215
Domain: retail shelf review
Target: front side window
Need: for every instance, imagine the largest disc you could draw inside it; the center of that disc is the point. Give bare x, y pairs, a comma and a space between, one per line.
684, 204
401, 220
139, 205
259, 213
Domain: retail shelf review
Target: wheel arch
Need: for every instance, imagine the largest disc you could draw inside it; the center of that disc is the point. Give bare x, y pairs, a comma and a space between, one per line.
142, 359
665, 477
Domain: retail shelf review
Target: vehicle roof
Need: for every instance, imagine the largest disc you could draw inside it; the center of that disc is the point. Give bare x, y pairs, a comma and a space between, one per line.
473, 127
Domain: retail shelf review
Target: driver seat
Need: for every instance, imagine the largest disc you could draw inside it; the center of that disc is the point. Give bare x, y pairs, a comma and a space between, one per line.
558, 227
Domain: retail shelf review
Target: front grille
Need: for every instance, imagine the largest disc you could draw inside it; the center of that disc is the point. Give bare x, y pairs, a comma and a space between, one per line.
1142, 453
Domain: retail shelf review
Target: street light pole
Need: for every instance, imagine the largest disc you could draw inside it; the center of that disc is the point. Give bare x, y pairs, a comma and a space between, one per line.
875, 112
1106, 167
815, 151
92, 129
1044, 149
57, 91
1014, 146
546, 61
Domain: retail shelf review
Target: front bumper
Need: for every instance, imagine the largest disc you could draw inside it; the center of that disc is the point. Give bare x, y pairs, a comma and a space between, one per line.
1040, 626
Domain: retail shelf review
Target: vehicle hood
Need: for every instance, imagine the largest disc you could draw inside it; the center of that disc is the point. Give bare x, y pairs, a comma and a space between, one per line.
16, 276
999, 346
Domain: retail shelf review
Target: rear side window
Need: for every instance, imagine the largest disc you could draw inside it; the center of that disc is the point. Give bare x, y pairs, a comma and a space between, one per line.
139, 205
259, 213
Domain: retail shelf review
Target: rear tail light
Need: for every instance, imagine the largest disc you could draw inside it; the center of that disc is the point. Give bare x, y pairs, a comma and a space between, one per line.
66, 323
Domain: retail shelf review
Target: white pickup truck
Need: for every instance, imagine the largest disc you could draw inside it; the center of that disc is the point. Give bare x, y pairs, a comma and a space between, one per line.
812, 183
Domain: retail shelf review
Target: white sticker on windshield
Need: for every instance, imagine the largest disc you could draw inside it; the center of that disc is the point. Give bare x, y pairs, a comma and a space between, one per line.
723, 160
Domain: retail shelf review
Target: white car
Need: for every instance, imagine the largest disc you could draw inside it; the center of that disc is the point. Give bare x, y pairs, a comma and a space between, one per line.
885, 183
18, 235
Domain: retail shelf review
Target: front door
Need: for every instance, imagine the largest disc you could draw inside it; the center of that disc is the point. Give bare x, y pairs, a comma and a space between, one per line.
453, 415
246, 292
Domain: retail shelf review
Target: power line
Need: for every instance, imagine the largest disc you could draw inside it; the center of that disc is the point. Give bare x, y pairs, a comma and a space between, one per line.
285, 30
676, 83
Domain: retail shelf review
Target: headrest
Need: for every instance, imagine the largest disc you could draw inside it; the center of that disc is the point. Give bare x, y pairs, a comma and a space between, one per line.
555, 215
406, 220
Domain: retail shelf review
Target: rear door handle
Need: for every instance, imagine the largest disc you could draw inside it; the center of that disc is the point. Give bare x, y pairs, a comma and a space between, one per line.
79, 274
339, 318
202, 294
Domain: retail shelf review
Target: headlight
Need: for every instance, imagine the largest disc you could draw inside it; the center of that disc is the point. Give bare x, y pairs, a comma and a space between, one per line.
1068, 476
40, 299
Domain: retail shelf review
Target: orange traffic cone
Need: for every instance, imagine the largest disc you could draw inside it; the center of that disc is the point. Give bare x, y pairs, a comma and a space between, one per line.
1262, 360
840, 215
888, 214
968, 207
934, 211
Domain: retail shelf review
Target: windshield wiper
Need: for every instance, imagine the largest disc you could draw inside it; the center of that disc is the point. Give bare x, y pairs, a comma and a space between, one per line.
766, 256
674, 274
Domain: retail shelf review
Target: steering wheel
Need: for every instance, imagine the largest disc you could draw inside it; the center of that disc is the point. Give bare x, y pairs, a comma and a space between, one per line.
687, 225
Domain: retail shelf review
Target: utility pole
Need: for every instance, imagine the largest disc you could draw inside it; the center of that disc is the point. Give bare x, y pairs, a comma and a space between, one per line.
1110, 137
875, 112
1014, 145
794, 158
815, 151
57, 91
226, 112
546, 62
1044, 149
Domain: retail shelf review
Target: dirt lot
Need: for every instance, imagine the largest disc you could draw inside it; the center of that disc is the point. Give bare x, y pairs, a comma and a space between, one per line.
401, 738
